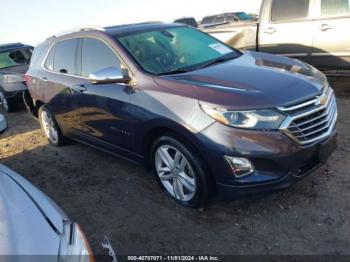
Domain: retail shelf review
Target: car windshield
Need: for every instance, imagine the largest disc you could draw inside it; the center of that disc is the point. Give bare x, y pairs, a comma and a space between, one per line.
175, 50
244, 16
15, 57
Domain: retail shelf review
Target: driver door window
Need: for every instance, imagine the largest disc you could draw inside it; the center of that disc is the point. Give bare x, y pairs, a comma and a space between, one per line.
96, 56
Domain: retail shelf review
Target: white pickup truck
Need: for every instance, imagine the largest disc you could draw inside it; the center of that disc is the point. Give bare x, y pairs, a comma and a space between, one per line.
315, 31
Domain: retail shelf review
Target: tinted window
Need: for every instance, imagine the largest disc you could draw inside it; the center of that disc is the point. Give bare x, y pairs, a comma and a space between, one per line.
231, 18
244, 16
289, 10
65, 56
178, 48
38, 55
96, 56
208, 20
15, 58
332, 8
49, 59
219, 19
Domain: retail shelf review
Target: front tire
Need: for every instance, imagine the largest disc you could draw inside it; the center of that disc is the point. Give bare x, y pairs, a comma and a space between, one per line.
180, 171
49, 126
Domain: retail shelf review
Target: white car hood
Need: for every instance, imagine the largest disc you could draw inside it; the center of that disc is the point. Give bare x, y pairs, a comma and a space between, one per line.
25, 228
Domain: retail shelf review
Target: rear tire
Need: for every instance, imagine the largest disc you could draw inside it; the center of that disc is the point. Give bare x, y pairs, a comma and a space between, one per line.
180, 171
50, 127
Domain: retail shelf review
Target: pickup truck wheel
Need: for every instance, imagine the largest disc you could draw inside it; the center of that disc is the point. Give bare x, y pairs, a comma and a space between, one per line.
180, 172
49, 126
5, 103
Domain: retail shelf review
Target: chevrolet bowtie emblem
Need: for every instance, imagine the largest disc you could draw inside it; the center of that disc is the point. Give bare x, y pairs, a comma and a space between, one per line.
321, 100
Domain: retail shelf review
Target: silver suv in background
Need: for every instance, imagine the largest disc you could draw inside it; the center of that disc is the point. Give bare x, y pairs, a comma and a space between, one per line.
14, 63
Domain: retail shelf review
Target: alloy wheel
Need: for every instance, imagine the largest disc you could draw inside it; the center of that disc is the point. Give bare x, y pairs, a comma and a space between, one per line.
175, 173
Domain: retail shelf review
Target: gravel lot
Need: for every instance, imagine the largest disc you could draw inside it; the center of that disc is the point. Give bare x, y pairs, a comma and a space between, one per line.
113, 197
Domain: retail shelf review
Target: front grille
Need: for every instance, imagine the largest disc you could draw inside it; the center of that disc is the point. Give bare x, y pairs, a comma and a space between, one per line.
312, 120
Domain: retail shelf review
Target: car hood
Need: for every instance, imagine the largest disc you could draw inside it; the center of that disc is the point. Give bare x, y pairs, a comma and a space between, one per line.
251, 81
30, 223
20, 69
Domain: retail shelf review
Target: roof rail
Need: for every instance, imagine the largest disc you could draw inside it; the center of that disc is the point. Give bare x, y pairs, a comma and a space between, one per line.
80, 29
124, 25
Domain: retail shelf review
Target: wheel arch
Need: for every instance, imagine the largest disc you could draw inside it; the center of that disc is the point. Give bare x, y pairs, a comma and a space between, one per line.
182, 134
162, 127
31, 104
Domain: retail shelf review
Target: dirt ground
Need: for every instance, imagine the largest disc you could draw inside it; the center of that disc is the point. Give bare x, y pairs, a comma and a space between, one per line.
110, 196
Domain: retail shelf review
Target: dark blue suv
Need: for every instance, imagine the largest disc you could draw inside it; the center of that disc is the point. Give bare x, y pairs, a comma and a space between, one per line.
206, 117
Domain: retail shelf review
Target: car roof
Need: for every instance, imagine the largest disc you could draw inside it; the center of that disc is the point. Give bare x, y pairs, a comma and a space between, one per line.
119, 30
8, 47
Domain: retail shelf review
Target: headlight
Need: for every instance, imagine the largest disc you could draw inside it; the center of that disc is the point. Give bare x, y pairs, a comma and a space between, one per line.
10, 79
265, 119
74, 245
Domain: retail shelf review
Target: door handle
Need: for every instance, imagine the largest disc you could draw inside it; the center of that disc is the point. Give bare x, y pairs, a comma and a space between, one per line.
79, 88
44, 79
325, 27
270, 30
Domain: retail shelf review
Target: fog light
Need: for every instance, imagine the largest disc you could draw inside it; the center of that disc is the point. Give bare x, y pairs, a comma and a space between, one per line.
240, 166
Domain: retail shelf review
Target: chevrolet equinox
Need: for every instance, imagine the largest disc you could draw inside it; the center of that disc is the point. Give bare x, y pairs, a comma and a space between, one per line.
205, 117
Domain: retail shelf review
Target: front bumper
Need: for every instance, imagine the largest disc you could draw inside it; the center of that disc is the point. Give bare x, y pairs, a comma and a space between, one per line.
279, 162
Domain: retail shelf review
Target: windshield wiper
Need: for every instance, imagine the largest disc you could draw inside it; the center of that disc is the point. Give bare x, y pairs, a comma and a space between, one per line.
176, 71
221, 59
217, 61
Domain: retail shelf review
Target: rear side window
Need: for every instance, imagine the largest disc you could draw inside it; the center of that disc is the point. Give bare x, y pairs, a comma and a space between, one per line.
208, 20
50, 59
65, 56
335, 8
15, 57
289, 10
39, 54
231, 18
96, 56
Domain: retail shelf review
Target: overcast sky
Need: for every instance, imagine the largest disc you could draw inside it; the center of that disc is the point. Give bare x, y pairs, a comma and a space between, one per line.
32, 21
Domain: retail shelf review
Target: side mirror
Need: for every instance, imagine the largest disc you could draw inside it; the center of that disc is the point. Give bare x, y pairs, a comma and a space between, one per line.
110, 75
